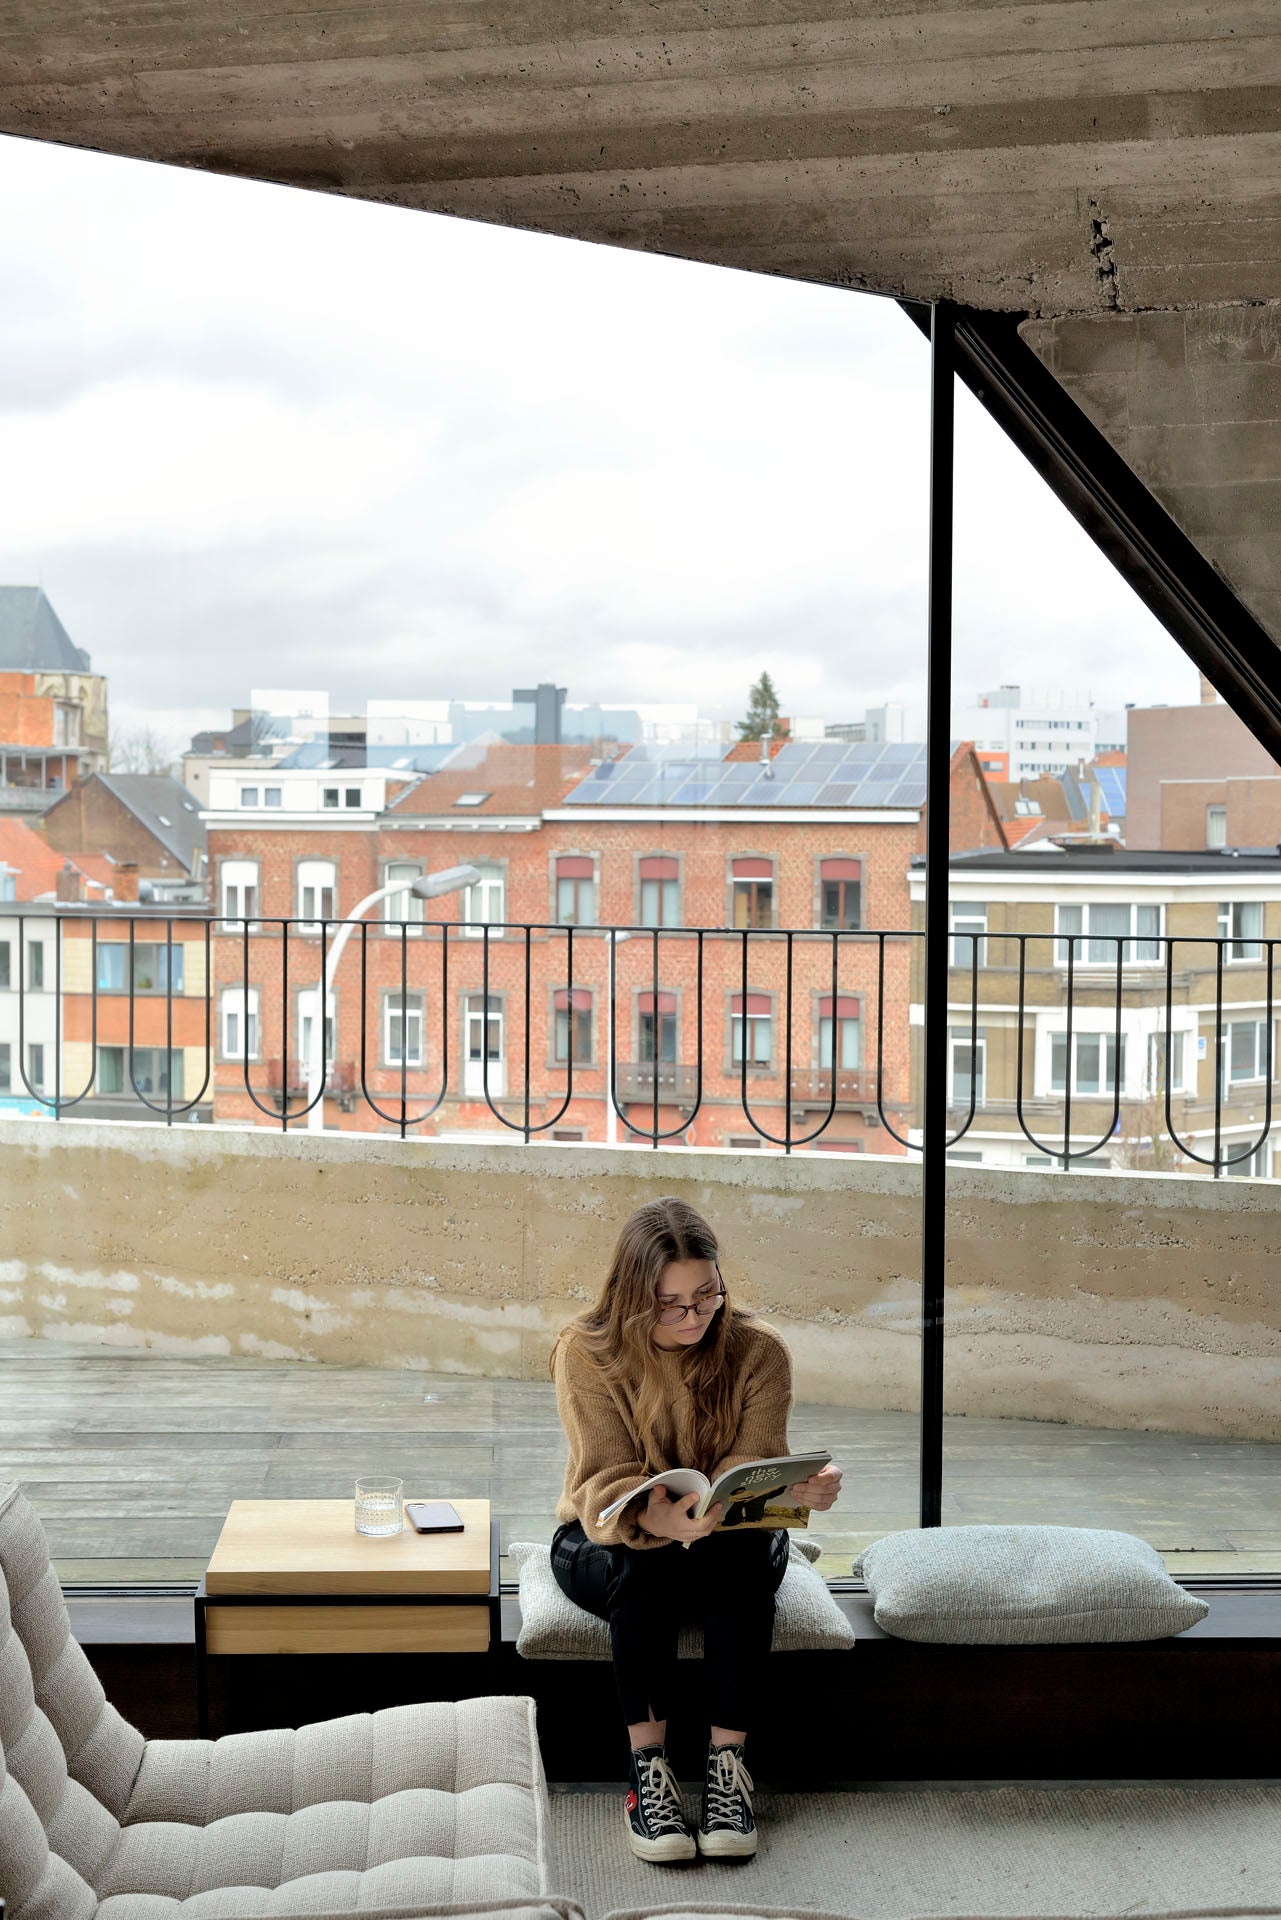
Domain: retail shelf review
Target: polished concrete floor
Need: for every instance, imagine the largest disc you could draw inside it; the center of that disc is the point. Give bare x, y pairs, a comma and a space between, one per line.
133, 1458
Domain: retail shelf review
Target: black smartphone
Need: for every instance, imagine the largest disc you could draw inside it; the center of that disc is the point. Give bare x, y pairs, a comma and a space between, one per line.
432, 1516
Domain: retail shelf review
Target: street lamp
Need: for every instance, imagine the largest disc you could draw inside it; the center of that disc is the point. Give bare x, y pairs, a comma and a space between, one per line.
428, 886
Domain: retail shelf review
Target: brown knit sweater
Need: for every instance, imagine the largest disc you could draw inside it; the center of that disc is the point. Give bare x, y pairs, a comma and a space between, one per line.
605, 1454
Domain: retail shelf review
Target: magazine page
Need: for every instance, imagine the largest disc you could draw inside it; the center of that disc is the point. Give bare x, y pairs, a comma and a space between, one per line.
755, 1493
676, 1479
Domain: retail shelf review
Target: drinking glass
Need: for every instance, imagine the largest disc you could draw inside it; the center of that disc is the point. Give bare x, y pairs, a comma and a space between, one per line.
378, 1505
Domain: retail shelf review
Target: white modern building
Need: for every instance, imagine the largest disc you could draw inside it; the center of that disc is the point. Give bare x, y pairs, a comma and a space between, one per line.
1042, 730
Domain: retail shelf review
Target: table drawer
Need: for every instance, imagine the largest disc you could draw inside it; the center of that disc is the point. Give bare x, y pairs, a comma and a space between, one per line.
318, 1628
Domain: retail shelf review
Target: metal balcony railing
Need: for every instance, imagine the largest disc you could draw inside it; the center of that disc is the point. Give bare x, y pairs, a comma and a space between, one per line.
760, 1019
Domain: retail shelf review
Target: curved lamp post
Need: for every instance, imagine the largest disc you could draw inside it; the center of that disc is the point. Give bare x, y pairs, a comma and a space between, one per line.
428, 886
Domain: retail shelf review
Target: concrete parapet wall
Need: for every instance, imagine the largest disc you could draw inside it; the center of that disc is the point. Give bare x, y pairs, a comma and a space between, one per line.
1096, 1299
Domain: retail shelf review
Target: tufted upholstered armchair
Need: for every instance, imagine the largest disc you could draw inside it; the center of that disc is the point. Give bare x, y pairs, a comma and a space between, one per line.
414, 1810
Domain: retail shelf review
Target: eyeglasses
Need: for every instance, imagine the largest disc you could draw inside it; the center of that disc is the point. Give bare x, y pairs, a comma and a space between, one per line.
705, 1308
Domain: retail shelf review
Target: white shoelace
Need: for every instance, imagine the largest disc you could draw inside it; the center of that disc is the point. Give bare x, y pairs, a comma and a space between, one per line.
660, 1793
728, 1785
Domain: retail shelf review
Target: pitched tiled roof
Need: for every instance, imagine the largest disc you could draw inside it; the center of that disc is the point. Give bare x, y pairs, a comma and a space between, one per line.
165, 808
35, 865
510, 779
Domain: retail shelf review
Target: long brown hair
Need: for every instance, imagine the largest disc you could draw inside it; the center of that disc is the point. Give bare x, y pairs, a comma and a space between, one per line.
618, 1331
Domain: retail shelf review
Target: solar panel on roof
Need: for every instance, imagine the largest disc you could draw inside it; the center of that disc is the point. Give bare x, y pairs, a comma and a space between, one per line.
839, 794
802, 793
874, 793
831, 750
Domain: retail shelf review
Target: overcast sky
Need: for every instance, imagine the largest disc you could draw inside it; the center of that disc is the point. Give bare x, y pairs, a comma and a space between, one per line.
258, 437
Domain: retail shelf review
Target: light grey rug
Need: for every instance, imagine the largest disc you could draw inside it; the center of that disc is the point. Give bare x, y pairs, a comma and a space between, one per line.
890, 1853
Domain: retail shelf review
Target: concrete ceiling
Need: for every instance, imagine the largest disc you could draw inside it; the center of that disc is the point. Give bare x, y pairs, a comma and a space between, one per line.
1064, 156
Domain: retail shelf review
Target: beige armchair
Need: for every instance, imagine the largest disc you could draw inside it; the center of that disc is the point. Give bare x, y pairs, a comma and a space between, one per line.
412, 1811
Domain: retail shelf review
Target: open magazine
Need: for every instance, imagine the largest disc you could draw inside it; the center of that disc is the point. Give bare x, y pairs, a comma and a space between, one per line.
750, 1492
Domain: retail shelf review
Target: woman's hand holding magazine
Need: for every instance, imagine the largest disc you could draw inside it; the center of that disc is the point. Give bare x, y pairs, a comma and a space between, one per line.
684, 1505
820, 1491
671, 1516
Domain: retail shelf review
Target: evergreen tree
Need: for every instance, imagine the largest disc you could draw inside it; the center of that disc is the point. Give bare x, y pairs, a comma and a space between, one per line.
762, 722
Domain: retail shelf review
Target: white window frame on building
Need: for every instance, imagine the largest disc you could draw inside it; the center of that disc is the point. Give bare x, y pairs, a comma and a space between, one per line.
1093, 1063
751, 1030
403, 907
968, 921
35, 1065
752, 897
849, 1033
238, 1023
1243, 1050
317, 884
484, 1029
407, 1019
6, 966
966, 1065
484, 902
308, 1003
1255, 1166
1096, 945
1216, 828
35, 965
239, 881
6, 1066
1181, 1049
1241, 925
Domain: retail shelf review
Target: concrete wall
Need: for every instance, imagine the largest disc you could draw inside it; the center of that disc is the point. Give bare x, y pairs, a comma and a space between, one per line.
1094, 1299
1192, 402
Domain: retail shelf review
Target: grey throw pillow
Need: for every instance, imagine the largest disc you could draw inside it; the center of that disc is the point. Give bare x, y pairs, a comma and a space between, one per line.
1011, 1586
806, 1617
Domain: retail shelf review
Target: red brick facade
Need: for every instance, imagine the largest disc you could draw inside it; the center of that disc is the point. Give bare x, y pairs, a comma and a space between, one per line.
529, 966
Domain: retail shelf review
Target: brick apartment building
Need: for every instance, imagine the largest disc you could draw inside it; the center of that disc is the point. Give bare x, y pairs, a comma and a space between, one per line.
659, 846
1198, 780
1023, 910
103, 1003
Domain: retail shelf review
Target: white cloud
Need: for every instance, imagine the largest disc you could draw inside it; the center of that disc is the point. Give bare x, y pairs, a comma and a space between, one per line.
253, 434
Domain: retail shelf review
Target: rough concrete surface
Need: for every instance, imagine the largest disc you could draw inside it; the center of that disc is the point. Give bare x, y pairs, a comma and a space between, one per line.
1065, 157
1144, 1301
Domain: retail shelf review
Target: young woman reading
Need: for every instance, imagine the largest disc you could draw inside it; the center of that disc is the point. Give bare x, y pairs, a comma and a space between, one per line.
664, 1372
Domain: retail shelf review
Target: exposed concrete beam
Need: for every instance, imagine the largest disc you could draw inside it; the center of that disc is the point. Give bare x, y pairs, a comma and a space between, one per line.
1060, 156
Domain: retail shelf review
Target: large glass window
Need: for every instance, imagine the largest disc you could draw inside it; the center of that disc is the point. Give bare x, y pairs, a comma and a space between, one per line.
239, 889
1094, 1063
1109, 925
839, 1029
573, 1024
751, 1029
753, 893
840, 895
317, 884
156, 967
1241, 928
576, 891
148, 1070
403, 908
660, 892
484, 902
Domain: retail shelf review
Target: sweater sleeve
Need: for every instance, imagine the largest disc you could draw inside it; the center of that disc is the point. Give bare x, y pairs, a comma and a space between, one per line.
604, 1460
767, 1400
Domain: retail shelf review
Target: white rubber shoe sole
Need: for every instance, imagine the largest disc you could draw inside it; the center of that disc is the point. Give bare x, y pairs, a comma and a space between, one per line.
668, 1848
724, 1844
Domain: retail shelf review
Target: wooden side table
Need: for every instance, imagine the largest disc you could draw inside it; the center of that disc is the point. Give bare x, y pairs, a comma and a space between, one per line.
294, 1576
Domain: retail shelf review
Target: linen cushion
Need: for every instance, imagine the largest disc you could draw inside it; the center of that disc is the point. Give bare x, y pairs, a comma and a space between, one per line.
1023, 1586
806, 1617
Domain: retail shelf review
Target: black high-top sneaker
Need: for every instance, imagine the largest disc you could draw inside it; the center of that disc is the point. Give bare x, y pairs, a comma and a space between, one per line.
727, 1830
655, 1818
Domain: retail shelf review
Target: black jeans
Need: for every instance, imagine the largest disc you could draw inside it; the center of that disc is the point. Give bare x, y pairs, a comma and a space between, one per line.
725, 1584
